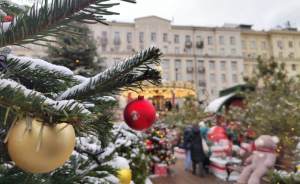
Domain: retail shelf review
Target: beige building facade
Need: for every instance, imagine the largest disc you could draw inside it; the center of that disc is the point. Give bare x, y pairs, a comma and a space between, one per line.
283, 45
208, 58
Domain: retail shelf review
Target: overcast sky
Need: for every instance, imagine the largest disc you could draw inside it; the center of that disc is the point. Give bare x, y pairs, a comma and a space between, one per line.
264, 14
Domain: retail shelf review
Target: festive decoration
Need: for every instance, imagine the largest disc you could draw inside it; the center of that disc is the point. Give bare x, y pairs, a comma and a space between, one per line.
149, 144
161, 169
216, 134
39, 148
7, 18
140, 114
221, 168
124, 176
262, 159
161, 153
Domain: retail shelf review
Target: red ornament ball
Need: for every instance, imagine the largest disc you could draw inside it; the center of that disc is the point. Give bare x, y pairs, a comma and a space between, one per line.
8, 18
140, 114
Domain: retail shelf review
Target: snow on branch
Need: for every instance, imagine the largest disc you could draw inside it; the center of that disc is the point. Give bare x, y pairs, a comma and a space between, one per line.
40, 75
23, 100
41, 64
52, 18
124, 74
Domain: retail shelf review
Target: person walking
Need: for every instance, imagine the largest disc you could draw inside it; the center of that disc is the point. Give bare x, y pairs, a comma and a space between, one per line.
187, 139
197, 152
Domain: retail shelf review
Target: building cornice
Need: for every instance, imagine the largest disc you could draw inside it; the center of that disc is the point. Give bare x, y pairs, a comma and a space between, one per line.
124, 53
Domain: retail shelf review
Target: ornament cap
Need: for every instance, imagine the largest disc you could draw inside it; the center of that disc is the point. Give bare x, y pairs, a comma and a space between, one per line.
140, 97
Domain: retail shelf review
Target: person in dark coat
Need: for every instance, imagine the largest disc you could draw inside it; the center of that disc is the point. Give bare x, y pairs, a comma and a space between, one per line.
197, 152
187, 139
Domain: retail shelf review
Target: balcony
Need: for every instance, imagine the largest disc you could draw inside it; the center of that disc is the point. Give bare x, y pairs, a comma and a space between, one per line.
199, 45
189, 69
201, 69
188, 44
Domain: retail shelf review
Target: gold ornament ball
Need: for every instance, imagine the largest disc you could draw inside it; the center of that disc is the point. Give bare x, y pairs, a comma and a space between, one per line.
39, 151
124, 176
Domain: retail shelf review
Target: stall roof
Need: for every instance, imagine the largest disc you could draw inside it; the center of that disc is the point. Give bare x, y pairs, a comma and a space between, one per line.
216, 104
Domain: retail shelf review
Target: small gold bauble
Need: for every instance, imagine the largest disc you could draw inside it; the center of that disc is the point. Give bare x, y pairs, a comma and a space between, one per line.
39, 151
124, 176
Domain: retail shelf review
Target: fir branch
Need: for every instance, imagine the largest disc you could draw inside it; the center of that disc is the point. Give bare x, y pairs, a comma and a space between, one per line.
36, 24
125, 74
39, 75
25, 101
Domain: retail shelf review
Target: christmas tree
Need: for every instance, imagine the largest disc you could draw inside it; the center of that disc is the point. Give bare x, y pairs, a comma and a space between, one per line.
78, 53
43, 105
272, 109
159, 145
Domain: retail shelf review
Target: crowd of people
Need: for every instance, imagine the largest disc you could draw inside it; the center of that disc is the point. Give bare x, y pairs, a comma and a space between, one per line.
197, 141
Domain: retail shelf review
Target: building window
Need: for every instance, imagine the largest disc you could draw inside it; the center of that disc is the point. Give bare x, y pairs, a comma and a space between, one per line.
235, 78
177, 50
165, 37
188, 38
291, 44
178, 70
141, 37
280, 55
223, 65
165, 69
234, 65
129, 37
189, 66
199, 38
104, 34
117, 38
212, 65
291, 55
244, 45
232, 40
294, 67
153, 37
221, 40
253, 44
212, 78
201, 68
176, 38
280, 44
210, 40
233, 51
166, 49
263, 45
223, 76
200, 63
